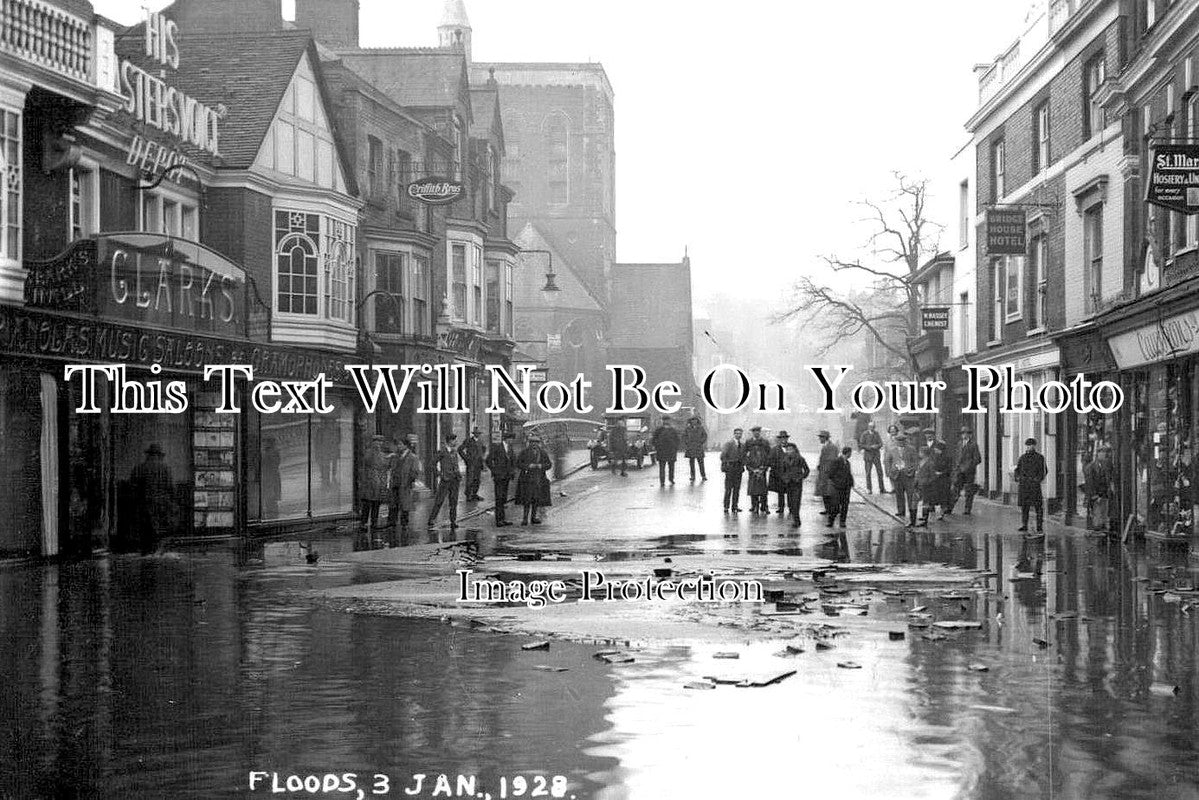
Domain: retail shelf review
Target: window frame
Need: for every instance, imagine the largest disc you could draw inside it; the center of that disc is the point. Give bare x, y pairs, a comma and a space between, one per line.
998, 169
964, 214
458, 288
400, 298
1092, 221
1094, 76
1041, 153
11, 200
83, 219
1014, 306
1038, 253
998, 290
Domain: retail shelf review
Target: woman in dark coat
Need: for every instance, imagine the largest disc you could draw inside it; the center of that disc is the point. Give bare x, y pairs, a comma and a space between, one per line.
533, 486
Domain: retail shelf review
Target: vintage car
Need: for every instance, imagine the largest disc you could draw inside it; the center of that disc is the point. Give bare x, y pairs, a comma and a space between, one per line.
637, 434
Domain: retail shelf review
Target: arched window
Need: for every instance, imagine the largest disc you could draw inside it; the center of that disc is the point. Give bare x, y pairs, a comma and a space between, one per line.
298, 269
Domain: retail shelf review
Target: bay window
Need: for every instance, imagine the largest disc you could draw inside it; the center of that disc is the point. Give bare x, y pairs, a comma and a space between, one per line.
508, 300
391, 270
494, 272
476, 286
314, 265
458, 281
420, 295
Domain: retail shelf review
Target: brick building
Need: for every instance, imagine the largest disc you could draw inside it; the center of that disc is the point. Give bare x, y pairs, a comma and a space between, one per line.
1044, 144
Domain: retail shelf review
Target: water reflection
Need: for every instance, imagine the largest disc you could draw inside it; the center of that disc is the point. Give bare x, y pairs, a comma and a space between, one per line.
175, 676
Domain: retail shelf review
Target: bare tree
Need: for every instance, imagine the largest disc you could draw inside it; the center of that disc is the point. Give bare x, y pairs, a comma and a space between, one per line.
888, 311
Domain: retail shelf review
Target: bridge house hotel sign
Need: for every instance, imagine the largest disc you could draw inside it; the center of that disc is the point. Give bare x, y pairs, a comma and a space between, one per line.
1171, 337
154, 102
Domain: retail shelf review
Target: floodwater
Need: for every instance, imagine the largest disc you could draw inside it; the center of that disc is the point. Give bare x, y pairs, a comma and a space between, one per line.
178, 675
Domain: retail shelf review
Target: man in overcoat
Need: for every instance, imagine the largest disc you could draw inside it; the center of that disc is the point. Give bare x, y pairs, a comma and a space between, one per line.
472, 455
666, 450
1030, 473
791, 470
449, 478
501, 461
695, 439
405, 470
828, 455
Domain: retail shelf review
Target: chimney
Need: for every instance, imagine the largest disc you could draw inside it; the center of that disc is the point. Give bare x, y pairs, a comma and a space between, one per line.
334, 23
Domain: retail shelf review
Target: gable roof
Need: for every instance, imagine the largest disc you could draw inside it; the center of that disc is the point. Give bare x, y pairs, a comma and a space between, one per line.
248, 73
527, 294
420, 77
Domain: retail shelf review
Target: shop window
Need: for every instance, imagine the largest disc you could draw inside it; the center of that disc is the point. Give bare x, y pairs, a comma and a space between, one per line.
458, 280
494, 272
301, 466
133, 437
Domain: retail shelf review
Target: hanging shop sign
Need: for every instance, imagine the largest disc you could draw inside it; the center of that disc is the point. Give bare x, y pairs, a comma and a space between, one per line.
435, 191
1169, 338
1174, 177
151, 100
934, 318
1007, 232
146, 278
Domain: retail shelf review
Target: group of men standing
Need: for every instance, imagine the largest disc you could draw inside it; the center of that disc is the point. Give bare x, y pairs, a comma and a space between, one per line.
780, 468
391, 473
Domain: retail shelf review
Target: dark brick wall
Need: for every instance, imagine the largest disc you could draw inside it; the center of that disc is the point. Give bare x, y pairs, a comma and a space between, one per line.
237, 223
221, 16
334, 22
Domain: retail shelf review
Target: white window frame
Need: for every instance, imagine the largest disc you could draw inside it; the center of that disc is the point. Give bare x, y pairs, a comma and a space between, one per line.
158, 198
998, 168
964, 322
1038, 252
86, 175
1092, 278
459, 311
325, 247
1041, 120
508, 301
11, 236
404, 295
478, 298
964, 214
1095, 118
999, 292
1014, 309
421, 290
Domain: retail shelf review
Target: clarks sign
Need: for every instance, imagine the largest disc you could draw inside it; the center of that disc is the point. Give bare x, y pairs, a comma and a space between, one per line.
145, 278
435, 191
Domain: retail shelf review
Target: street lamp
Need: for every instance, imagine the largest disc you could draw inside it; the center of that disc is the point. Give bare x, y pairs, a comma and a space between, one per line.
550, 278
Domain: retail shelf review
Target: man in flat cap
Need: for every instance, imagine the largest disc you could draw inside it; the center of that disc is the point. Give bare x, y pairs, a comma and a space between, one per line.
449, 478
901, 461
501, 461
965, 473
1030, 472
828, 456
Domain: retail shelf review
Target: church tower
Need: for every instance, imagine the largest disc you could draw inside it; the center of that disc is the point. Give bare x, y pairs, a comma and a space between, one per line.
454, 30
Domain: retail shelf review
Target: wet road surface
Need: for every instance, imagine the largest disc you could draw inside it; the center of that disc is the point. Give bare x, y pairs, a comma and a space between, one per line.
176, 675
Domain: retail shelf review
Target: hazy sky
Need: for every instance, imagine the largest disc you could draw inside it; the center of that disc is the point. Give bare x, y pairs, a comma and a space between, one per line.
745, 129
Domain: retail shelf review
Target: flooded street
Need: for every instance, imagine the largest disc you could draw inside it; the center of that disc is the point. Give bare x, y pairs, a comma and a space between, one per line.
177, 675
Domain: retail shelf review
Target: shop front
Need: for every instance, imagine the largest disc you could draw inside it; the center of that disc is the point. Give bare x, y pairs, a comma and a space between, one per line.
1084, 352
151, 309
1155, 347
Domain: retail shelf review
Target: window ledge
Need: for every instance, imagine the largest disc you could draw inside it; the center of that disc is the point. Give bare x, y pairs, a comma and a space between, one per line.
1013, 318
1190, 248
995, 343
1036, 331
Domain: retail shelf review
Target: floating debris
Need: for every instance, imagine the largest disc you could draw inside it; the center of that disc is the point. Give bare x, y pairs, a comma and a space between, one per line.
933, 636
1164, 689
766, 681
995, 709
918, 609
978, 668
958, 624
849, 665
896, 636
699, 685
548, 668
536, 646
823, 645
726, 655
1041, 643
618, 658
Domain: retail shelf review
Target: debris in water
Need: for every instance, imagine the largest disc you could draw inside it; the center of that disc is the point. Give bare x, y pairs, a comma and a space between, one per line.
1164, 689
823, 645
726, 655
978, 668
958, 624
849, 665
548, 668
699, 685
1041, 643
896, 636
536, 646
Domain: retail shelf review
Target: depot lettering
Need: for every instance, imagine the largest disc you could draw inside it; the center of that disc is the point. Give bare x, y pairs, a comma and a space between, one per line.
161, 288
156, 103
